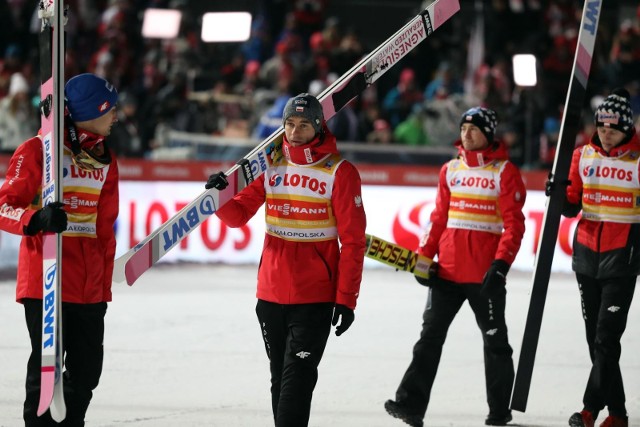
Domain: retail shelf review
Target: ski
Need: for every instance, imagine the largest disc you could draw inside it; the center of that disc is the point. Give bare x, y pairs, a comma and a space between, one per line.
130, 266
397, 256
553, 210
52, 126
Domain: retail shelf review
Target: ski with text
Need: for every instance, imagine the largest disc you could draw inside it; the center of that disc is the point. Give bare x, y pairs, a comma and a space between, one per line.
551, 222
143, 256
397, 256
51, 42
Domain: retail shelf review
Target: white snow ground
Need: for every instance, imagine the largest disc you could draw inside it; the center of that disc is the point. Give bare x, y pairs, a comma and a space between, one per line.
183, 348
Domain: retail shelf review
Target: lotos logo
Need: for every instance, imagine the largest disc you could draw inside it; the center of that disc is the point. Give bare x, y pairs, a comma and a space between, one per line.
607, 172
275, 180
408, 227
473, 181
78, 173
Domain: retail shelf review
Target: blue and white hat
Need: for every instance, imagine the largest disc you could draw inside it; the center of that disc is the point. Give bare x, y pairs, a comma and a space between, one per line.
485, 119
88, 97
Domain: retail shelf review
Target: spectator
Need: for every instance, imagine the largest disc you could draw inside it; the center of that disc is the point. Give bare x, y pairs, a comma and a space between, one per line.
411, 131
381, 133
18, 116
399, 101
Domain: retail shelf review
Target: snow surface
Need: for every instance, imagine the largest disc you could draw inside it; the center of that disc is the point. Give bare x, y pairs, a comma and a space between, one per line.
183, 348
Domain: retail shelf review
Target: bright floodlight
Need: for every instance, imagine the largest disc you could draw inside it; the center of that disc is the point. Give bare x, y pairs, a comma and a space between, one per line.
161, 23
226, 26
524, 70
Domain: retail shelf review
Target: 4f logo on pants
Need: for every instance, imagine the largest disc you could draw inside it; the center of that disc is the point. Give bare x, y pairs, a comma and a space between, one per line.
303, 354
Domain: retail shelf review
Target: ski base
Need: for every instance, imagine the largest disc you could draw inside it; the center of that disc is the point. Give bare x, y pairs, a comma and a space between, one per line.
397, 256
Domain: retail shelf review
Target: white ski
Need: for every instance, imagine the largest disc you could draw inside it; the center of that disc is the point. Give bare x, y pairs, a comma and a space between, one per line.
143, 256
551, 222
52, 123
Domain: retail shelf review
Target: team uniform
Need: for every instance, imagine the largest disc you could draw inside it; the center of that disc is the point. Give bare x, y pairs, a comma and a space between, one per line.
311, 261
605, 258
477, 220
90, 200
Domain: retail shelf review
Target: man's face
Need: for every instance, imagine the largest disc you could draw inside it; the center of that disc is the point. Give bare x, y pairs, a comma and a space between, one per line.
299, 131
609, 137
101, 125
472, 137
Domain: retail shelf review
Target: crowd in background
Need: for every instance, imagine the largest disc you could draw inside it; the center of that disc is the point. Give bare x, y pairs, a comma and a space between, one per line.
238, 90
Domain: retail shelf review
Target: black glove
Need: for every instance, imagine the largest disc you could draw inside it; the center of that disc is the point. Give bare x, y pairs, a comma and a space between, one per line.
433, 276
550, 185
217, 181
495, 278
347, 318
51, 218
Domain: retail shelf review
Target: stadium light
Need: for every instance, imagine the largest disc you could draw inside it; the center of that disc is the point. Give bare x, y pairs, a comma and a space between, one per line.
524, 75
524, 70
226, 26
161, 23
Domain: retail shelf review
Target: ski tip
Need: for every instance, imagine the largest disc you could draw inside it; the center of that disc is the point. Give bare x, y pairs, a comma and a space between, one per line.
58, 408
444, 10
47, 383
118, 274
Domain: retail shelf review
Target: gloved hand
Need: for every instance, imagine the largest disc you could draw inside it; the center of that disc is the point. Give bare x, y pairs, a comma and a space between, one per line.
217, 181
430, 281
347, 318
50, 218
550, 185
495, 278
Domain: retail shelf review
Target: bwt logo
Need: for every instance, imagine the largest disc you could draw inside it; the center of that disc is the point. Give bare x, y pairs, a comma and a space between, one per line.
187, 222
275, 180
49, 304
591, 17
259, 166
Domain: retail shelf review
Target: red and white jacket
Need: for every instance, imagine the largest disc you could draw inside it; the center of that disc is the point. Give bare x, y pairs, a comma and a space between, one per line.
478, 215
606, 185
315, 241
88, 244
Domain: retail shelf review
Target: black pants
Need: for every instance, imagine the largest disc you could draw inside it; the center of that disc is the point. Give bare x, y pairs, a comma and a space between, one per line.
295, 337
605, 309
414, 391
82, 337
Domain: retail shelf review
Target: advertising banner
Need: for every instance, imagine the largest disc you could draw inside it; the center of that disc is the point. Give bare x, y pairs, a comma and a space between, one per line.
398, 214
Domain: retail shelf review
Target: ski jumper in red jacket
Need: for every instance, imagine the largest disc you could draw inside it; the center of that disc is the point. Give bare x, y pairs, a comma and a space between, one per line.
311, 266
604, 184
86, 218
474, 235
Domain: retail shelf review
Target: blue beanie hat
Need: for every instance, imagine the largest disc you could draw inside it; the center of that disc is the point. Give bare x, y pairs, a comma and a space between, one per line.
89, 97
